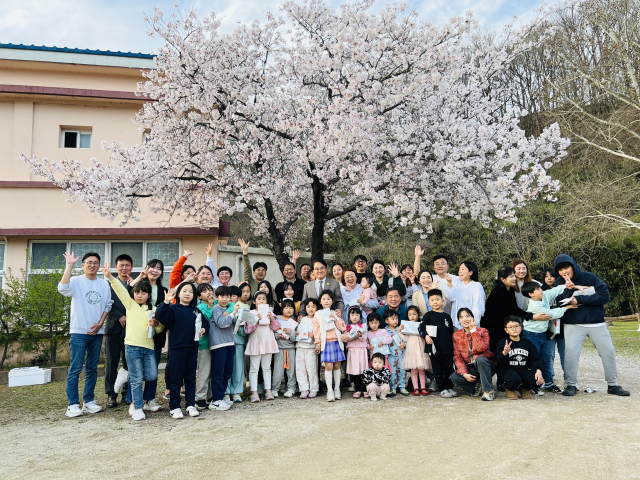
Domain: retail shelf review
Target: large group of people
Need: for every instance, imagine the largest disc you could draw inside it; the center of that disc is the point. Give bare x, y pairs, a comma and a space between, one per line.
379, 331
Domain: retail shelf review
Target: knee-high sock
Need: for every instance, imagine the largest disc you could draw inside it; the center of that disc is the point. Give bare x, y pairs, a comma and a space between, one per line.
421, 374
414, 379
328, 376
336, 379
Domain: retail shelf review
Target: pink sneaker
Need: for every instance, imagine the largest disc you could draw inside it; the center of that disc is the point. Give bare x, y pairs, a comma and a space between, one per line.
357, 395
313, 394
366, 395
304, 394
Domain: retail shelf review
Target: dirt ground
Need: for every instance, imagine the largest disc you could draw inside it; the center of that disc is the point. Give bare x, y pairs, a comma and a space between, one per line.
589, 436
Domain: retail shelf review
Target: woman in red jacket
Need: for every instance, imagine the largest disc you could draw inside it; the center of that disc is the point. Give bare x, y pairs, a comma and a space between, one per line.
471, 345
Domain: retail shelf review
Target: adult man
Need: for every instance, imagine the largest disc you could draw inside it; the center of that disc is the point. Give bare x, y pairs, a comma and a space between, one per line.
321, 283
114, 333
360, 265
305, 270
585, 321
90, 304
259, 268
441, 268
289, 274
394, 302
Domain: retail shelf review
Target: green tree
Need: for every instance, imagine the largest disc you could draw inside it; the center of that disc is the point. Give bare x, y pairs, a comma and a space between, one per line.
10, 313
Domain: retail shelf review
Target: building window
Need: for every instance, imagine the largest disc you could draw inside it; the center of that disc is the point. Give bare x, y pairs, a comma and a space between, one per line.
75, 139
168, 252
44, 255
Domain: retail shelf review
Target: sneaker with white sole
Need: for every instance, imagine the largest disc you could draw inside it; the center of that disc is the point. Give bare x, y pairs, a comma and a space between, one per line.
138, 415
91, 407
131, 409
289, 394
453, 392
351, 388
433, 386
489, 396
446, 394
227, 399
176, 413
152, 406
219, 405
73, 411
236, 398
274, 393
373, 398
193, 411
228, 402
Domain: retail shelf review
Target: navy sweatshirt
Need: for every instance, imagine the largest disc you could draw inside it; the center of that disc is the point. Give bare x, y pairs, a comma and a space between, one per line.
443, 341
523, 355
180, 320
591, 307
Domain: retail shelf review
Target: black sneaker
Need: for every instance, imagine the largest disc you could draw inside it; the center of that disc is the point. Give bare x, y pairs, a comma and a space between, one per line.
201, 405
112, 402
391, 395
617, 390
553, 389
570, 391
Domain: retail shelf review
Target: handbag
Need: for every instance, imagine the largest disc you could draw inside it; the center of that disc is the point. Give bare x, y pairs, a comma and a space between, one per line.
472, 367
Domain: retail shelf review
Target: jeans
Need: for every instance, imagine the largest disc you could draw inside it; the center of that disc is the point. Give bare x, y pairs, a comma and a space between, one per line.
83, 346
142, 367
539, 340
574, 337
150, 386
486, 368
551, 346
221, 370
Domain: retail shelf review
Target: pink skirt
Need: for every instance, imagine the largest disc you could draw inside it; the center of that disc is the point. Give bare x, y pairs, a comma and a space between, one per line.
414, 355
261, 341
357, 360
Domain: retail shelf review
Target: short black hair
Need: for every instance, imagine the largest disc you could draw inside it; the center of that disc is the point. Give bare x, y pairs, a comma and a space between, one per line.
436, 292
337, 265
373, 316
379, 356
321, 261
287, 264
312, 301
187, 267
144, 287
389, 313
93, 254
202, 288
305, 264
512, 318
123, 257
528, 288
378, 261
223, 290
257, 265
438, 257
415, 309
359, 257
562, 265
235, 290
287, 302
329, 293
391, 289
202, 267
222, 269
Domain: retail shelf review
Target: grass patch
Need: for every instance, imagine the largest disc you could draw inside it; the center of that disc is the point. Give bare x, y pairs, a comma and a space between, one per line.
626, 339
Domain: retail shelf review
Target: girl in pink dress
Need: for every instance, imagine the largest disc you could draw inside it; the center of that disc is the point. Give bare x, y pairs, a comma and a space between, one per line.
415, 359
373, 339
261, 345
357, 360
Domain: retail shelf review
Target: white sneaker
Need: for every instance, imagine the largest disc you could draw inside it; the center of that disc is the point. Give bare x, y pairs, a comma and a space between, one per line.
91, 407
121, 379
236, 398
453, 393
383, 396
151, 406
352, 388
227, 399
330, 396
374, 398
219, 405
288, 394
274, 393
489, 396
138, 415
433, 386
193, 411
176, 413
132, 409
337, 394
73, 411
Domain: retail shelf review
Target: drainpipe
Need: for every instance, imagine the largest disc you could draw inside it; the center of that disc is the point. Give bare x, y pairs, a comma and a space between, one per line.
238, 263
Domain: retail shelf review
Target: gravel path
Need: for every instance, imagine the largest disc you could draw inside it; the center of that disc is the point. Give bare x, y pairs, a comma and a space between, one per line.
588, 436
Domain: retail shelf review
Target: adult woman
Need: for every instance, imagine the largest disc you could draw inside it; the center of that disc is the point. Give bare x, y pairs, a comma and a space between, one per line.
549, 279
351, 291
265, 286
336, 271
410, 282
420, 297
468, 293
471, 344
383, 282
153, 274
523, 276
502, 302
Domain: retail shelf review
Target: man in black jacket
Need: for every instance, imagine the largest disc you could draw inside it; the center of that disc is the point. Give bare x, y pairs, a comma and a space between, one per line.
114, 333
585, 321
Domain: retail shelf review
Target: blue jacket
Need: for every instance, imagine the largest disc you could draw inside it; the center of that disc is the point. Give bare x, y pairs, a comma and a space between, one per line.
590, 307
402, 314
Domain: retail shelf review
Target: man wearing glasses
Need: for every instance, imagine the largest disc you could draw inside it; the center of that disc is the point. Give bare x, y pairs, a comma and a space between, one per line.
314, 288
90, 304
360, 265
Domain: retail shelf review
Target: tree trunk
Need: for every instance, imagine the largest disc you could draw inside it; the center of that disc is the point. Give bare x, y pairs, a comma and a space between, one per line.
275, 235
319, 220
53, 344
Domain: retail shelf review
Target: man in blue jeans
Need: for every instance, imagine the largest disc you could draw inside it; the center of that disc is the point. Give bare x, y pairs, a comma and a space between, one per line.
90, 304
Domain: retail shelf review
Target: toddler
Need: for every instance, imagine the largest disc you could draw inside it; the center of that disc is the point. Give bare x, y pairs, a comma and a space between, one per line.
356, 339
285, 358
368, 293
415, 358
396, 353
306, 356
376, 378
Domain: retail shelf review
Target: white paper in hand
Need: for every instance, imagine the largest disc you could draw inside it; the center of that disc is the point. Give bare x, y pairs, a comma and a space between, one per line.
263, 311
432, 330
198, 326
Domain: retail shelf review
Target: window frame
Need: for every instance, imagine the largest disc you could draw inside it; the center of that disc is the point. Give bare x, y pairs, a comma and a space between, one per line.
79, 132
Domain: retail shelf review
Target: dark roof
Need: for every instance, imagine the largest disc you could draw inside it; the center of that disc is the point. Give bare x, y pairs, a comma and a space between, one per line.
76, 50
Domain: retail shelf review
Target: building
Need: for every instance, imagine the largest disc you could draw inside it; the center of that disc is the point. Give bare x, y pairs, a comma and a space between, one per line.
62, 103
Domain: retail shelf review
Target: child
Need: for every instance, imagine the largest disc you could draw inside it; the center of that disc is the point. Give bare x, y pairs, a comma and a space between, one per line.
540, 302
222, 348
236, 382
236, 293
139, 347
439, 344
368, 293
185, 325
518, 361
326, 328
357, 360
306, 356
260, 348
375, 336
203, 377
396, 348
415, 358
285, 358
376, 378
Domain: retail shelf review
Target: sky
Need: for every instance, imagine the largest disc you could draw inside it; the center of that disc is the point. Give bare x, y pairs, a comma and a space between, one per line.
119, 25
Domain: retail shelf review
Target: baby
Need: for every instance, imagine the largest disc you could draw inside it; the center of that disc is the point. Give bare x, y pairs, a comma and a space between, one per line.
368, 293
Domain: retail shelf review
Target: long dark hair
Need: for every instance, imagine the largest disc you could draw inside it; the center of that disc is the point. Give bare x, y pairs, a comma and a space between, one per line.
504, 272
157, 263
553, 273
473, 268
270, 294
286, 284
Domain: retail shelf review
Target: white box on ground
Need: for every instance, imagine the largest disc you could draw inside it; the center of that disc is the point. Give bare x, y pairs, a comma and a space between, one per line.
19, 377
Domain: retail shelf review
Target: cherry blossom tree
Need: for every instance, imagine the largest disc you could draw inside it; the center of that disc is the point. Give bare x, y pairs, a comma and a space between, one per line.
334, 116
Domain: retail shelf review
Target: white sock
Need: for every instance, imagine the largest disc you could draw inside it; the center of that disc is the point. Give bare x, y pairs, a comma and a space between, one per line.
328, 375
336, 379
